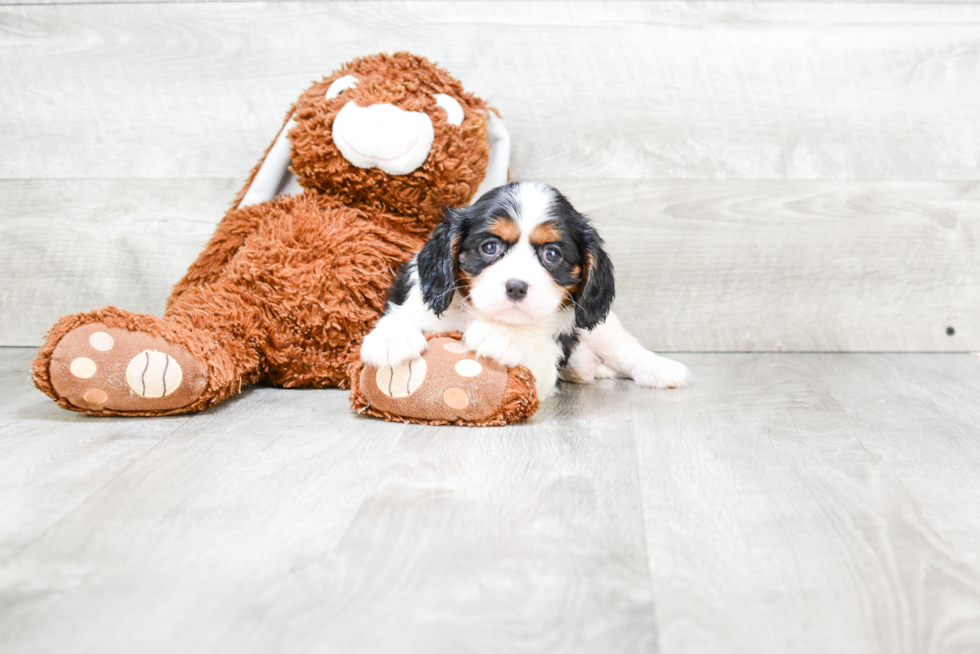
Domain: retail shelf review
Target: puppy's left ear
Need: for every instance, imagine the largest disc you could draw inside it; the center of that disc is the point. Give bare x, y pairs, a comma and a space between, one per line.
438, 261
598, 284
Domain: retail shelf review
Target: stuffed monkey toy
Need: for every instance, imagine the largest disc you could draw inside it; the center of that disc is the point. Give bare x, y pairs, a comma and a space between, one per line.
297, 270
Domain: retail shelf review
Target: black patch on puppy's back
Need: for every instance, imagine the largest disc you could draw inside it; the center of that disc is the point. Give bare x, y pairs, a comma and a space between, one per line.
568, 343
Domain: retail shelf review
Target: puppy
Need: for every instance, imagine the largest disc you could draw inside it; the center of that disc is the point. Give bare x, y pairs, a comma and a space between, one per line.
524, 277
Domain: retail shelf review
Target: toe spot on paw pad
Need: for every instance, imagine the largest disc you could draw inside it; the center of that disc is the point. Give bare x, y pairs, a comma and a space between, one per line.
455, 347
101, 341
96, 396
83, 367
468, 368
456, 398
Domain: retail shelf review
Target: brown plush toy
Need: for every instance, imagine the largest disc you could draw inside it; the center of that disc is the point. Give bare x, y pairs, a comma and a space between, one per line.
296, 272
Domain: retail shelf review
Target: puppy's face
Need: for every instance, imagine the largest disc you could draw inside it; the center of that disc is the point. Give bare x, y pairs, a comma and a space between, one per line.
520, 255
518, 262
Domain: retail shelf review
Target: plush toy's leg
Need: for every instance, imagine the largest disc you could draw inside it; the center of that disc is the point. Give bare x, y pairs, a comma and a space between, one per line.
113, 362
447, 385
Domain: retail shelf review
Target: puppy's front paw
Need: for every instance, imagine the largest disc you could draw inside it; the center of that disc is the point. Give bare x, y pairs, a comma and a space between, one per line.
392, 343
653, 371
493, 344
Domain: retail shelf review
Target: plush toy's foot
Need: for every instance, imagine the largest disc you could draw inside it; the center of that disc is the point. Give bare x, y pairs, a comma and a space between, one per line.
106, 370
447, 385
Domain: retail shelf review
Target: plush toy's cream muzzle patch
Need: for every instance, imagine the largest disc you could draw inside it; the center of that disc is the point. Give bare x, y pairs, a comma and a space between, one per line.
383, 136
274, 177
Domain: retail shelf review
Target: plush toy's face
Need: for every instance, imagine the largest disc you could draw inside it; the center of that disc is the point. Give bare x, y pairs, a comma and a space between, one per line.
392, 132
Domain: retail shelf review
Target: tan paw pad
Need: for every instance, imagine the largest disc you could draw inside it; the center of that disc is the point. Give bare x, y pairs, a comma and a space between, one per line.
449, 382
97, 367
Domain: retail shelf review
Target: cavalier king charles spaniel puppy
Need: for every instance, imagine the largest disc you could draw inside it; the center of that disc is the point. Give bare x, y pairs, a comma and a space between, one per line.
523, 275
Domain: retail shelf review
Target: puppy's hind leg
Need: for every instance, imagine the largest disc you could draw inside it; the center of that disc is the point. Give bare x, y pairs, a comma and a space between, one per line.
623, 353
583, 367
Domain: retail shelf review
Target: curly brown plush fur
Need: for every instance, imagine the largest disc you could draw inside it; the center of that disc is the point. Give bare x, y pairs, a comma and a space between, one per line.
285, 290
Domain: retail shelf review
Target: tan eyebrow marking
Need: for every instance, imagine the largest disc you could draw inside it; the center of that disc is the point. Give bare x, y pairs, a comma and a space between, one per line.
506, 229
545, 233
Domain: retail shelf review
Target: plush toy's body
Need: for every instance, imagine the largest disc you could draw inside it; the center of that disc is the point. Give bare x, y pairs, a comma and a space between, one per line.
290, 283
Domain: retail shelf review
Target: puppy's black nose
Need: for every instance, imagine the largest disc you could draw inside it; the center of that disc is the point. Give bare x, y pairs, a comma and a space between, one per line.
516, 289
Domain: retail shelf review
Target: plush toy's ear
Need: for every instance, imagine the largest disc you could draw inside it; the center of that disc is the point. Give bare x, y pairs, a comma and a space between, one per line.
595, 298
273, 177
499, 164
438, 261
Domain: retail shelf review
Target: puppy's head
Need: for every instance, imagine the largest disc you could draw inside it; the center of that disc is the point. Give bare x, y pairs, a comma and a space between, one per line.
521, 254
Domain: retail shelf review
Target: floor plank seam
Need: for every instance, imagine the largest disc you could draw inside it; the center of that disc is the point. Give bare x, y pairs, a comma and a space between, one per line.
643, 531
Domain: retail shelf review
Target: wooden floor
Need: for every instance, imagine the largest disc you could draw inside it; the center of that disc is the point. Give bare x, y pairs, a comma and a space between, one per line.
785, 503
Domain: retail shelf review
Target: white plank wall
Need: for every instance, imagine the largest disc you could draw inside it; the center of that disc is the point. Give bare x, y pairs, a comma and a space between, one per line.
770, 176
625, 90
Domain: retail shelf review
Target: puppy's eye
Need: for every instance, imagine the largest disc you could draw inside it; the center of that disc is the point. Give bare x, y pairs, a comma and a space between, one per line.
490, 248
551, 255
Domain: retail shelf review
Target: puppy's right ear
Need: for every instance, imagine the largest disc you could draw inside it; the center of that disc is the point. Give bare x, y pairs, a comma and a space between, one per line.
438, 262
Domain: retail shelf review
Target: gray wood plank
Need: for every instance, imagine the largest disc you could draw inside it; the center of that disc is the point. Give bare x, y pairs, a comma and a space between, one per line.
282, 522
793, 265
790, 502
53, 461
701, 265
589, 89
814, 503
76, 245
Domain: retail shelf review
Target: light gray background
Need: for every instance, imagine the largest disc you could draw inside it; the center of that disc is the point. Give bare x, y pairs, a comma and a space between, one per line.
769, 176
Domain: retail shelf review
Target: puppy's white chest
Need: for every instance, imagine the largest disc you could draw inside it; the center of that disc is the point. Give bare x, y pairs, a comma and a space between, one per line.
542, 360
526, 345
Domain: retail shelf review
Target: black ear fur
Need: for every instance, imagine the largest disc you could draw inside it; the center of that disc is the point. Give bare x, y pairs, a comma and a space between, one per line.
437, 262
599, 283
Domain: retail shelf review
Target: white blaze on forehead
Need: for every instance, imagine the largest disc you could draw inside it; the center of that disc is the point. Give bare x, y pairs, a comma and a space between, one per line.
532, 203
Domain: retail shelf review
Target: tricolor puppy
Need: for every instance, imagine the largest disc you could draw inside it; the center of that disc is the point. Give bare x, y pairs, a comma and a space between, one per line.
524, 277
